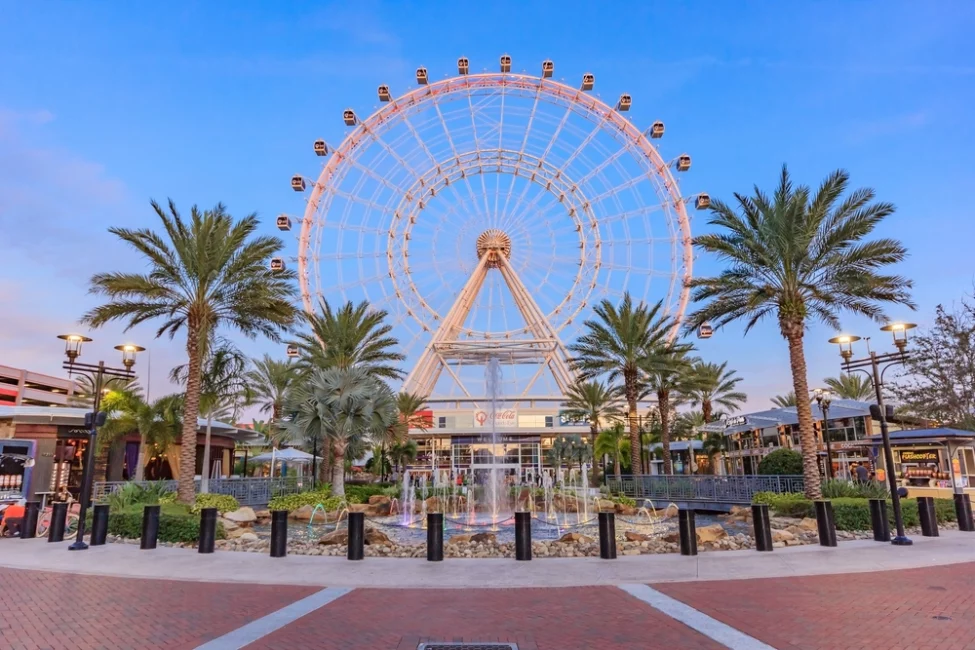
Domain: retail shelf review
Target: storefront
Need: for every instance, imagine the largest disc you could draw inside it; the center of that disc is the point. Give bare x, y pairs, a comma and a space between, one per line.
940, 459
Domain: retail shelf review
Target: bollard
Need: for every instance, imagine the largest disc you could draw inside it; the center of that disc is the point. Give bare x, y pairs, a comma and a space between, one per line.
279, 533
523, 536
29, 529
688, 532
963, 510
879, 521
928, 517
208, 530
150, 528
357, 535
435, 537
607, 535
99, 525
763, 528
59, 513
826, 523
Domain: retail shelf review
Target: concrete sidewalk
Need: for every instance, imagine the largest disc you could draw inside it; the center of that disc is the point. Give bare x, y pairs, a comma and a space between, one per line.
126, 560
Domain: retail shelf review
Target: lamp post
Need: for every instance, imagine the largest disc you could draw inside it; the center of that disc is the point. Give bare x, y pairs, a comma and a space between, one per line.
823, 398
97, 373
871, 366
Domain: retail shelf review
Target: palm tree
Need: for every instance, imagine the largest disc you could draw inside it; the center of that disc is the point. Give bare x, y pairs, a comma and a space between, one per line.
715, 384
850, 386
353, 336
594, 402
671, 378
687, 425
203, 274
613, 442
785, 401
800, 255
409, 407
269, 381
402, 453
714, 444
617, 344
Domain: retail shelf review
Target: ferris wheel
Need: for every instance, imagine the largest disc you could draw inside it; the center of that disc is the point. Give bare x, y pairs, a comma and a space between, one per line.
488, 213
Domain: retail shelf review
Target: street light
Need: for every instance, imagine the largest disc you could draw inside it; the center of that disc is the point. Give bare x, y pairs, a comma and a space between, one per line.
97, 374
871, 366
823, 398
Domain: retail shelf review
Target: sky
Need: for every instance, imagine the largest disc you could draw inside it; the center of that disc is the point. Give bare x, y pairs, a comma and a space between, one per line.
103, 109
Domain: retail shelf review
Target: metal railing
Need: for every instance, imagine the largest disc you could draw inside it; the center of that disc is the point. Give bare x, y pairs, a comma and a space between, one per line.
247, 491
719, 489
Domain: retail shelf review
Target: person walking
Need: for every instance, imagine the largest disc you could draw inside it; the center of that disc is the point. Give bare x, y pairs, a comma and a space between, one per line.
862, 475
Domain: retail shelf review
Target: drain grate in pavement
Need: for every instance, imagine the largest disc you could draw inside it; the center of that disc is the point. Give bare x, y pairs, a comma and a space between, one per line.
452, 645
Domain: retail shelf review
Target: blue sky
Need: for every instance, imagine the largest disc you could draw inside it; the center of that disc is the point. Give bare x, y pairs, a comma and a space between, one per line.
102, 109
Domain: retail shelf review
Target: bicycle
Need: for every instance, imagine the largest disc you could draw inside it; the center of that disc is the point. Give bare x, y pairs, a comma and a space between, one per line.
45, 517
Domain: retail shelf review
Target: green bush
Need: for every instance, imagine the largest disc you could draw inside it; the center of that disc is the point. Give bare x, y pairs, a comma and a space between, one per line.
134, 494
361, 493
222, 502
623, 500
291, 502
176, 523
852, 514
782, 462
393, 491
838, 488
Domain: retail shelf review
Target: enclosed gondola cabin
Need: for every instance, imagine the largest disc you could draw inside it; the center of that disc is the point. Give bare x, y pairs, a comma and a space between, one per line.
384, 93
624, 103
703, 201
588, 80
297, 183
284, 222
421, 76
463, 65
705, 331
292, 351
505, 63
348, 116
548, 68
277, 264
683, 162
321, 148
657, 129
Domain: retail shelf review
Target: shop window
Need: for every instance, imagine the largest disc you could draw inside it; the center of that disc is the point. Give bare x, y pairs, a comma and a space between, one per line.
549, 421
442, 422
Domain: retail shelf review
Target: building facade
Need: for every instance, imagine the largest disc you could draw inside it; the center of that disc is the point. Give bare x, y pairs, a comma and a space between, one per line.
19, 387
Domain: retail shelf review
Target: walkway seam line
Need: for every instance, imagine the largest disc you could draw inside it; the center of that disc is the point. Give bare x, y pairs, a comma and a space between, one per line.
261, 627
694, 619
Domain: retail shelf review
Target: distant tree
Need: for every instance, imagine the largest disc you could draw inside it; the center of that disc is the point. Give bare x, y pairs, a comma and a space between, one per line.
615, 443
782, 462
851, 386
715, 385
782, 401
593, 402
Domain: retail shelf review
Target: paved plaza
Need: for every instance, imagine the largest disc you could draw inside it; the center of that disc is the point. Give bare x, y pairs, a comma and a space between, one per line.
860, 595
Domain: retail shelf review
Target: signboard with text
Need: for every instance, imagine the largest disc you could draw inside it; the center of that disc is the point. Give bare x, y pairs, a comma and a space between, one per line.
503, 419
566, 420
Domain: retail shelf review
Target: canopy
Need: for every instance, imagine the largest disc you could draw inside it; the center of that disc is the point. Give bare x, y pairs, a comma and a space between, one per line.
286, 455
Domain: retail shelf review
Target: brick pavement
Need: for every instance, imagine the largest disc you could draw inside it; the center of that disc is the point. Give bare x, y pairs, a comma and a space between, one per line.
40, 610
582, 618
893, 610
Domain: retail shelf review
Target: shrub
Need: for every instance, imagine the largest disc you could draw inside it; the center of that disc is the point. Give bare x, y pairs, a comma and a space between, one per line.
361, 493
291, 502
222, 502
782, 462
851, 514
393, 491
135, 494
839, 488
176, 523
623, 500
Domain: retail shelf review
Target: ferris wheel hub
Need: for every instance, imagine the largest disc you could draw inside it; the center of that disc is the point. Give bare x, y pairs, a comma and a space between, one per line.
493, 242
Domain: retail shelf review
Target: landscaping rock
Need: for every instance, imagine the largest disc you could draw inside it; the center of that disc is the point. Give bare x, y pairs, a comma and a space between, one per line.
810, 524
459, 539
263, 515
303, 513
376, 537
380, 505
782, 536
335, 538
249, 537
631, 536
669, 511
711, 533
575, 538
228, 525
605, 505
626, 511
359, 507
244, 516
484, 538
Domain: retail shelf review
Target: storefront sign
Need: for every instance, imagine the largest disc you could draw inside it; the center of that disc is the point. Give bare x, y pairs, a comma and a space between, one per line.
480, 440
736, 421
506, 419
565, 420
919, 457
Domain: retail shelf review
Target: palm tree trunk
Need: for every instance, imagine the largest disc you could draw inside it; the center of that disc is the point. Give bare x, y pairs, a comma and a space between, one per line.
663, 405
338, 470
325, 469
636, 465
140, 464
205, 473
616, 465
793, 332
706, 410
186, 487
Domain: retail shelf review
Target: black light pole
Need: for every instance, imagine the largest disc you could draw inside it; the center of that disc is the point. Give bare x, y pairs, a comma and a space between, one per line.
876, 374
823, 399
98, 374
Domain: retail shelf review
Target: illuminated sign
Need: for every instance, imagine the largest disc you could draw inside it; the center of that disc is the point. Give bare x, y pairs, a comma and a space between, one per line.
506, 419
919, 457
736, 421
566, 420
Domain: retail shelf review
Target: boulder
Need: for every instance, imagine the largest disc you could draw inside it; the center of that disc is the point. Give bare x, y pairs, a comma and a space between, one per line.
668, 512
672, 537
460, 539
626, 511
359, 507
373, 537
228, 525
433, 504
782, 536
234, 533
631, 536
263, 514
809, 524
244, 516
605, 505
484, 538
248, 537
380, 505
379, 498
376, 537
336, 537
304, 513
711, 533
740, 511
575, 538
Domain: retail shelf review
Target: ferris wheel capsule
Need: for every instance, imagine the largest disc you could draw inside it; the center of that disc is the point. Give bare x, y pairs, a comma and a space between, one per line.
384, 93
505, 63
283, 222
292, 351
277, 264
421, 76
683, 162
588, 80
348, 115
624, 102
297, 183
657, 129
321, 148
705, 331
463, 65
548, 68
703, 201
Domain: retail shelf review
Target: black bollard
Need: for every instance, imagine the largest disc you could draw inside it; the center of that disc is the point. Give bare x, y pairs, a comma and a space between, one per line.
523, 536
763, 528
826, 523
208, 530
99, 525
150, 527
878, 520
279, 533
963, 510
435, 537
928, 517
607, 535
357, 535
59, 514
688, 532
29, 529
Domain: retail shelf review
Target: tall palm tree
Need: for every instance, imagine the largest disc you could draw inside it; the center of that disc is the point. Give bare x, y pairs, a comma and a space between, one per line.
785, 401
408, 407
714, 385
671, 378
269, 381
613, 442
594, 402
204, 273
617, 343
687, 425
402, 453
799, 255
714, 444
851, 386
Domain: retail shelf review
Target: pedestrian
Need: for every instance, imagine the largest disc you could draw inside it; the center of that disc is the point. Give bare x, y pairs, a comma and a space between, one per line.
862, 474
